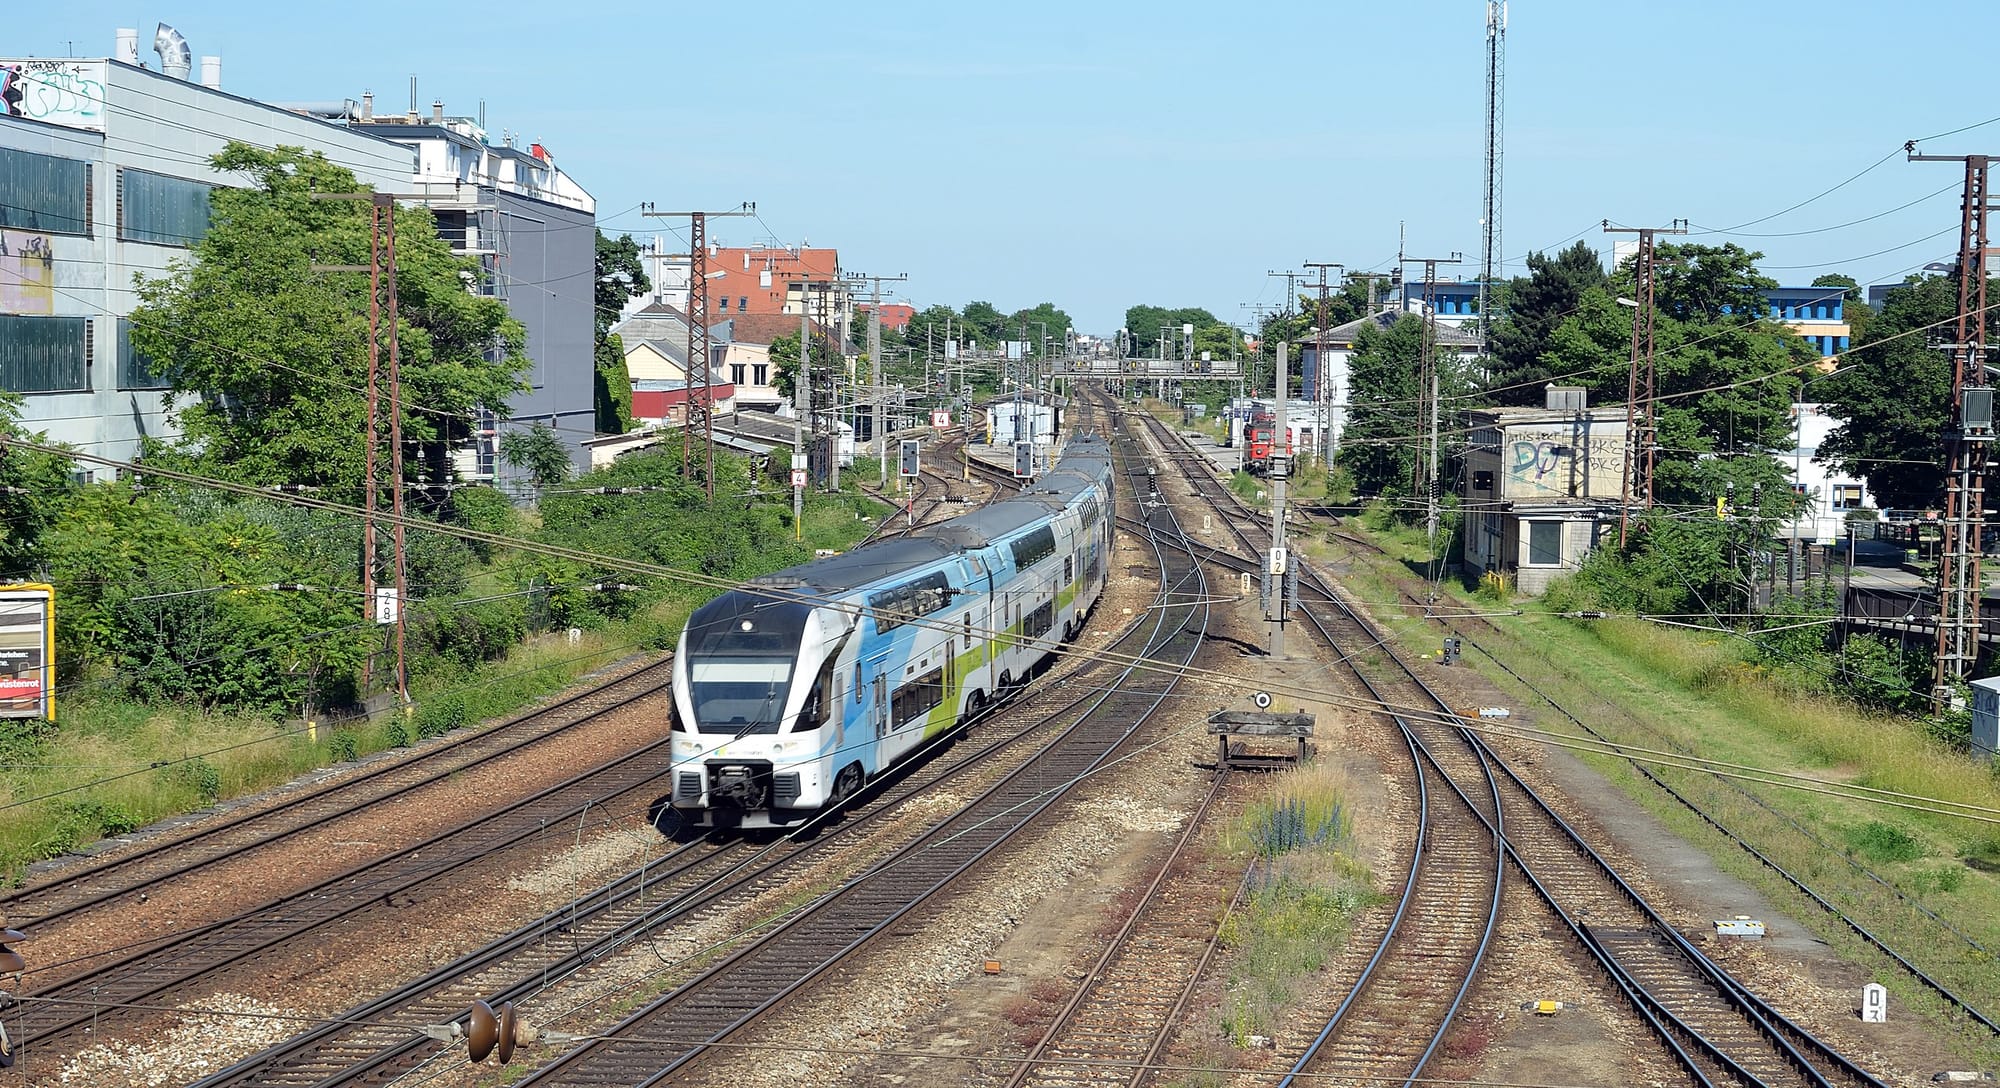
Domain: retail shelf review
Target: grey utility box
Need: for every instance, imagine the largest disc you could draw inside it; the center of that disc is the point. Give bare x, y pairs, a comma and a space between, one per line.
1986, 717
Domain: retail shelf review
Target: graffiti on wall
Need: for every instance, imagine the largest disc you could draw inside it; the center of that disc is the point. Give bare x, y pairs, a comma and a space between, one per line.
27, 273
61, 92
1562, 462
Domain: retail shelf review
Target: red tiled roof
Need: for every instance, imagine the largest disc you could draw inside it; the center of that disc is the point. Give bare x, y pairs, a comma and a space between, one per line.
742, 279
756, 328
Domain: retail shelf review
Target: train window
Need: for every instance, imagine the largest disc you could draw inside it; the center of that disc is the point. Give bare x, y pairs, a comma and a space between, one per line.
968, 632
917, 698
825, 693
1069, 569
858, 686
899, 605
1040, 620
1034, 547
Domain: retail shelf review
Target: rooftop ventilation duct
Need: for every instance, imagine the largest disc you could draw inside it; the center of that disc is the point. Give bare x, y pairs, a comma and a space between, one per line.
128, 44
211, 73
176, 59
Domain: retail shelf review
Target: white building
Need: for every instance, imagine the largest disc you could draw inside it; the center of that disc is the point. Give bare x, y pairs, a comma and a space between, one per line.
1832, 494
103, 175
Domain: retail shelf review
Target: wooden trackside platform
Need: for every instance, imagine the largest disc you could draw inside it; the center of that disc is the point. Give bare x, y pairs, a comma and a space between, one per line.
1251, 740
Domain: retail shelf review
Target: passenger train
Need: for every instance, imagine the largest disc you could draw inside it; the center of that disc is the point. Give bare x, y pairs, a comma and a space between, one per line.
793, 691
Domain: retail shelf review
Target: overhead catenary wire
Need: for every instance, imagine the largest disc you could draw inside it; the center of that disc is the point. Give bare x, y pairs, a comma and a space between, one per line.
690, 577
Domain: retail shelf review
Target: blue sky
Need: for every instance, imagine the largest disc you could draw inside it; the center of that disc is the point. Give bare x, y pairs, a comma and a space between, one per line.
1099, 155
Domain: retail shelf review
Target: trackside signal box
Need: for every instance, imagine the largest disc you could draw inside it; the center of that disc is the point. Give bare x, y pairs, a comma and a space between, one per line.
911, 466
1024, 459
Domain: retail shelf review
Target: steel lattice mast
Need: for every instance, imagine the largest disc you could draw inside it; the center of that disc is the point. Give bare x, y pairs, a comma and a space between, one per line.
1496, 61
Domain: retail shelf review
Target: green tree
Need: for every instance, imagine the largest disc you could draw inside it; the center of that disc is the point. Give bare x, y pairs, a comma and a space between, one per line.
621, 275
826, 361
275, 355
539, 452
1378, 445
171, 593
1725, 376
987, 325
1533, 307
928, 326
34, 489
1854, 304
1145, 322
1033, 323
1893, 396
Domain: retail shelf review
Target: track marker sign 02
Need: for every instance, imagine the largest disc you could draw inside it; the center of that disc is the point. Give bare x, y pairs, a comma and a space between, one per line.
27, 651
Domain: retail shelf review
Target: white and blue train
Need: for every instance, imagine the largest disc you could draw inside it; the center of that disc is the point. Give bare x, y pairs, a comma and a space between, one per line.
792, 692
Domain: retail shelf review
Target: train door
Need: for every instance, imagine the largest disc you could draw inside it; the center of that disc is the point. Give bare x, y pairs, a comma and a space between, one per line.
876, 669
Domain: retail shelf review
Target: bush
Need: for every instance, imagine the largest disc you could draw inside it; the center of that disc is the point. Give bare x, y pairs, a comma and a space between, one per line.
343, 746
440, 715
198, 775
1882, 842
462, 635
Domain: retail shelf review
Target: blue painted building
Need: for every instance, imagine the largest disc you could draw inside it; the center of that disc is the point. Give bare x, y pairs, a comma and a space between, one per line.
1816, 313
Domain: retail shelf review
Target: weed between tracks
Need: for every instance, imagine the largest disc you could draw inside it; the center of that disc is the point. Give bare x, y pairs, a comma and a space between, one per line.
1307, 886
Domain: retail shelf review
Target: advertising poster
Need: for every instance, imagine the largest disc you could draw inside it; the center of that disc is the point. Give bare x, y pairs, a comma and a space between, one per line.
27, 651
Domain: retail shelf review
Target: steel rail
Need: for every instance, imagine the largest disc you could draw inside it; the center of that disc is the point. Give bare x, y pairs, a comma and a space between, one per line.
1867, 935
349, 1048
1729, 989
1407, 954
754, 980
70, 891
178, 960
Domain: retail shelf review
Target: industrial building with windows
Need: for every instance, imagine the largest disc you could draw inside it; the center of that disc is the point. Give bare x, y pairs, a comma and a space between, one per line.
104, 175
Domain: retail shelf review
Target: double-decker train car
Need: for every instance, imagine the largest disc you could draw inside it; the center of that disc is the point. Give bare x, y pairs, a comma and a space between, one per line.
791, 692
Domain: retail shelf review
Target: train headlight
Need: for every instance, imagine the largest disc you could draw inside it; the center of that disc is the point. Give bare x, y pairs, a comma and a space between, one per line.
686, 746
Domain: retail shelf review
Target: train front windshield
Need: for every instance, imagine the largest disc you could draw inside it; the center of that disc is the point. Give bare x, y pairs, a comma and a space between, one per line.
740, 653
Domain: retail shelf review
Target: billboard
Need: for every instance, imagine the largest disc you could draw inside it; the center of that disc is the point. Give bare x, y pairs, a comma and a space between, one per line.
27, 651
60, 92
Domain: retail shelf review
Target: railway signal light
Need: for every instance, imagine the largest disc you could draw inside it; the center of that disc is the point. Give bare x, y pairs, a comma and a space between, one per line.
911, 463
1024, 459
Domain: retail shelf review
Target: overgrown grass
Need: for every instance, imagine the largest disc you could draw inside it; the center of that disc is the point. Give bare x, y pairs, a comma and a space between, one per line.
1701, 693
111, 765
1307, 887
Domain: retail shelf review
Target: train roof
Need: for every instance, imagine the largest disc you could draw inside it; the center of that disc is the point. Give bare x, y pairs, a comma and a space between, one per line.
866, 564
1085, 462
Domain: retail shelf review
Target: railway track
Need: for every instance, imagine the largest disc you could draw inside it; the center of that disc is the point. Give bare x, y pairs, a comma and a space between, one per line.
191, 960
1401, 1005
1123, 1012
383, 1038
1718, 1030
1971, 949
670, 1035
77, 894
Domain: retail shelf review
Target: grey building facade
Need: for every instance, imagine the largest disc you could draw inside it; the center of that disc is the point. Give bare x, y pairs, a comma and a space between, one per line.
104, 177
534, 232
